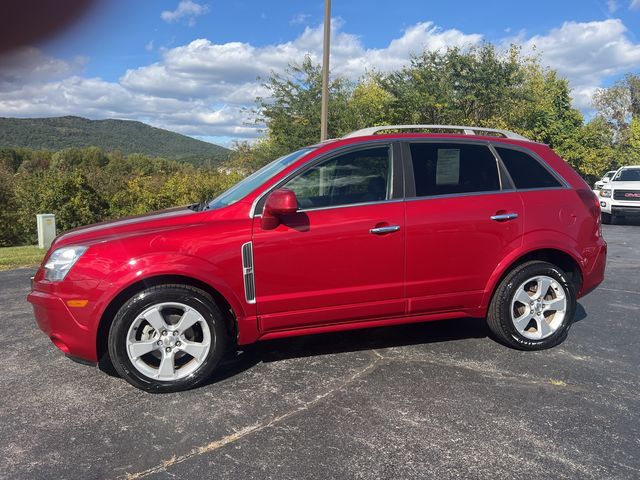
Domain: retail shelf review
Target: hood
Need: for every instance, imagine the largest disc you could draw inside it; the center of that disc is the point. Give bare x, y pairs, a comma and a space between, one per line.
632, 185
171, 218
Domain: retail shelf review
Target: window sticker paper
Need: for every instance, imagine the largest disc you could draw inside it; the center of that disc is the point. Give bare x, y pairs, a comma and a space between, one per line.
448, 167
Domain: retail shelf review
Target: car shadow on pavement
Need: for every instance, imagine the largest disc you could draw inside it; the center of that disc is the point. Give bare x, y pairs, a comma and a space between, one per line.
244, 358
630, 221
581, 313
240, 359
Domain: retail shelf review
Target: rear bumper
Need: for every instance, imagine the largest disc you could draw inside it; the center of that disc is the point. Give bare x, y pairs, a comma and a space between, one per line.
597, 263
55, 319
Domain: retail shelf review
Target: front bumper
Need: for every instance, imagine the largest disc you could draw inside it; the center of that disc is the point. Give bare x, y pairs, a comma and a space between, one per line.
75, 338
605, 204
619, 207
626, 210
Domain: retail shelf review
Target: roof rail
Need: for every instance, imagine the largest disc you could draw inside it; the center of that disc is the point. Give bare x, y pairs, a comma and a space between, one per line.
464, 129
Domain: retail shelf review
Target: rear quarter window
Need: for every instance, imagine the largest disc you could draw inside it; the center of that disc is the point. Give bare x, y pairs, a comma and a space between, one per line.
525, 170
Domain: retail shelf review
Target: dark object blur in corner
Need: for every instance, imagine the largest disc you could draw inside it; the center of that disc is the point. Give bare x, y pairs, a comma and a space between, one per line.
30, 22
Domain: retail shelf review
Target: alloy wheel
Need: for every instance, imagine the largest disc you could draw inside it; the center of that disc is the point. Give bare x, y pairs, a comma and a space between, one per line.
168, 341
538, 307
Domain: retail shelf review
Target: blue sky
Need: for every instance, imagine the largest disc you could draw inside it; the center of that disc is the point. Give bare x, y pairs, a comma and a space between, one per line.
191, 65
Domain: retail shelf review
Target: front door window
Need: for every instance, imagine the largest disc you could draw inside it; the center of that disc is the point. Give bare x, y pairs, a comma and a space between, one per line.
362, 176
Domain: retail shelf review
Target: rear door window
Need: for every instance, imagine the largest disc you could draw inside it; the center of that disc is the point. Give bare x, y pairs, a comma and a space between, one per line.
525, 170
453, 168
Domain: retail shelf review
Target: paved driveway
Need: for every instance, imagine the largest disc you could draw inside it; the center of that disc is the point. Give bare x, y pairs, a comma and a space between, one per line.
438, 400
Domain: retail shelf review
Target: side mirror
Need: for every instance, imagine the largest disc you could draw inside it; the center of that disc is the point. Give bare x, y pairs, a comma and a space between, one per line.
606, 180
280, 202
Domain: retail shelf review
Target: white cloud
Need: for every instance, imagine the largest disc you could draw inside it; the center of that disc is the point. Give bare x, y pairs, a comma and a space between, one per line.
586, 53
205, 88
299, 19
202, 67
612, 6
186, 9
29, 64
353, 59
149, 46
634, 5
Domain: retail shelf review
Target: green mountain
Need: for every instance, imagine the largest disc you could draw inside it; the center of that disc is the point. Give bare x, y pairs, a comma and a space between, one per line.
58, 133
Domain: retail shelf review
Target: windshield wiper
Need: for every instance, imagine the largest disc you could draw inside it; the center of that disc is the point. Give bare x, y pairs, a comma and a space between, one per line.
200, 207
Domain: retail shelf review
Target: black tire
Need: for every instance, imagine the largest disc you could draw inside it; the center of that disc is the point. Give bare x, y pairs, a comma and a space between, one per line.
499, 317
606, 218
190, 296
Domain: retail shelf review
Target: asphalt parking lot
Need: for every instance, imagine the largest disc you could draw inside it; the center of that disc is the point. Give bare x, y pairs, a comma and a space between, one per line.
438, 400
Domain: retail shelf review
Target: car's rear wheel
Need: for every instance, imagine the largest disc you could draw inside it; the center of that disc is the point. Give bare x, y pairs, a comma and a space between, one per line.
533, 307
167, 338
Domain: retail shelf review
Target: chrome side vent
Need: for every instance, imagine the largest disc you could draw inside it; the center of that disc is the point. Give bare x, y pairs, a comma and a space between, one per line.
247, 273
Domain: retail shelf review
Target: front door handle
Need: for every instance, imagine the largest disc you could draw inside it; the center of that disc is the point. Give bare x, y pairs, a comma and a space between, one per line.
383, 230
503, 217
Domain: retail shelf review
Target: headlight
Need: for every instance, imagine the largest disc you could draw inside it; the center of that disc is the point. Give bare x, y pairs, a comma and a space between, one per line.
61, 261
605, 193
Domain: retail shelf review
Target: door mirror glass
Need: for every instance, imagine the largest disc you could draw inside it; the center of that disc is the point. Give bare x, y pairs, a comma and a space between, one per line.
606, 180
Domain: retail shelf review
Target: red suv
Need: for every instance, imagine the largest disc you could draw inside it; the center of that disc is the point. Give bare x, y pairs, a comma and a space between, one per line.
369, 230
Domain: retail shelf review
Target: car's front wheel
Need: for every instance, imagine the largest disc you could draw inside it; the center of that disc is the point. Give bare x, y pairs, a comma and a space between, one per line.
533, 307
167, 338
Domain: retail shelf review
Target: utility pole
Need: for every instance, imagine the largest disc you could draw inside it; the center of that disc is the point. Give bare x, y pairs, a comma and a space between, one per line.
324, 113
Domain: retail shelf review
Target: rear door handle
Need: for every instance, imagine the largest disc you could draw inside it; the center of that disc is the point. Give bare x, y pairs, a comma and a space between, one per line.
383, 230
503, 217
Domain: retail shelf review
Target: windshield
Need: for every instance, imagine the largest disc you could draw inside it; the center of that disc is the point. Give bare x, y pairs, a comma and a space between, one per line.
628, 175
257, 178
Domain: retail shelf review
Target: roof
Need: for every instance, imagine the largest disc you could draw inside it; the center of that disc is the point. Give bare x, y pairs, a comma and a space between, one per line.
467, 130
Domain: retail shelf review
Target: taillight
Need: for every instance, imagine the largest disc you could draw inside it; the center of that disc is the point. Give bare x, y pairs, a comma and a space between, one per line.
592, 204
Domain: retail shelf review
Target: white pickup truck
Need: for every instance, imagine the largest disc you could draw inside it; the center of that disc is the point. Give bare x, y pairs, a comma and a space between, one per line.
606, 178
621, 196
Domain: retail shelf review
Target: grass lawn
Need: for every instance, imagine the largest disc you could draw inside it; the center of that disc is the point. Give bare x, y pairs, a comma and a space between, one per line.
16, 257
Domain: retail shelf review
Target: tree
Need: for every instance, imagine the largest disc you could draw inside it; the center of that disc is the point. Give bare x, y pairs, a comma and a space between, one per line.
589, 150
88, 158
245, 158
143, 194
87, 185
370, 104
619, 109
543, 110
614, 105
8, 232
292, 112
477, 86
619, 104
634, 135
10, 158
66, 194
